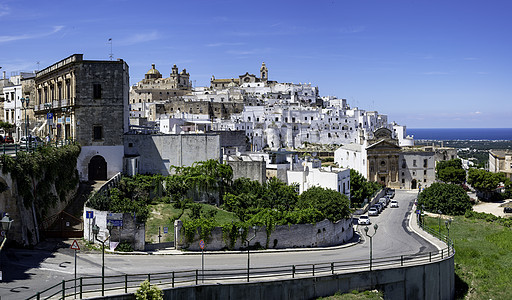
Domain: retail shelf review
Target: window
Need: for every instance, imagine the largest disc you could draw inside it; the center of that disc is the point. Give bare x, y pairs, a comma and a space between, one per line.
424, 172
96, 91
404, 165
97, 132
425, 163
414, 163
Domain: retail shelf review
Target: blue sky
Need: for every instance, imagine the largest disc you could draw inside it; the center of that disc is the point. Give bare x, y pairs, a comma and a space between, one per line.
426, 64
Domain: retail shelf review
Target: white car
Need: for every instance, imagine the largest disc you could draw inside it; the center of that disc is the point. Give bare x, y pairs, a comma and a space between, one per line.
363, 220
373, 211
394, 203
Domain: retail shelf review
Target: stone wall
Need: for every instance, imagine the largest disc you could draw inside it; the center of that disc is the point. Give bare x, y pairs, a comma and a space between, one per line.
158, 153
131, 231
321, 234
254, 170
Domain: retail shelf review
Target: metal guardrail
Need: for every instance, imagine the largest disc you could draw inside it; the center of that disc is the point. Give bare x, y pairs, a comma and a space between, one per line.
91, 286
13, 149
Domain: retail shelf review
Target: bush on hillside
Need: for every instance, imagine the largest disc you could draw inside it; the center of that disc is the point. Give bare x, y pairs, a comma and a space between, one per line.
450, 199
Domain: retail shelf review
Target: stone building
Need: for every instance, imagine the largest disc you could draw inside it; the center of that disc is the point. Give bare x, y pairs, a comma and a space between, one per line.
86, 101
501, 161
381, 159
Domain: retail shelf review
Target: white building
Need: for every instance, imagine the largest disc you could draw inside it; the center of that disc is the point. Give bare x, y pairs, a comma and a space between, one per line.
309, 173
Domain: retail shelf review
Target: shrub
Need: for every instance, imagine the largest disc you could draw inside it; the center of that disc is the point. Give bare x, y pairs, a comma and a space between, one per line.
146, 291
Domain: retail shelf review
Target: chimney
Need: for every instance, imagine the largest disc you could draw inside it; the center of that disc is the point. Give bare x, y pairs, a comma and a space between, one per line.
4, 75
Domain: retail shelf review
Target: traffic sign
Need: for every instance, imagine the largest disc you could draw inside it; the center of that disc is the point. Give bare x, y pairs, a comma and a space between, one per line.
49, 115
201, 244
75, 246
166, 229
115, 223
89, 214
115, 216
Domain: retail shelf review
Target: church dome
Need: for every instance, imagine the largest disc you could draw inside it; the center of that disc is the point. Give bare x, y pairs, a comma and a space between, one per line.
153, 73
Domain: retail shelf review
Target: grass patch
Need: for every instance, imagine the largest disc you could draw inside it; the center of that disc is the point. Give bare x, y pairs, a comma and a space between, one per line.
483, 257
162, 214
356, 295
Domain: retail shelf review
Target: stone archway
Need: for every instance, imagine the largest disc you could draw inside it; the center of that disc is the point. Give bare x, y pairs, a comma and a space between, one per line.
413, 184
97, 168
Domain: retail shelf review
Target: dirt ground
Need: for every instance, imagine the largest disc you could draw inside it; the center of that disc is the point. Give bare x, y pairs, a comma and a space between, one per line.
495, 208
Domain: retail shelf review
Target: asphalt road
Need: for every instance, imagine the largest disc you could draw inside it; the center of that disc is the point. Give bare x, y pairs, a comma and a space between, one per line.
26, 272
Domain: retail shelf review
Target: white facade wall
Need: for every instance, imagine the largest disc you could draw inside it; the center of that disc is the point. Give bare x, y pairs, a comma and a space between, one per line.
13, 108
113, 155
313, 175
353, 156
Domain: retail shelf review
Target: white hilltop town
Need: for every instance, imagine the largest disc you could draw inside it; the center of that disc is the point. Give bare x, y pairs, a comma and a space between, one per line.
261, 127
279, 119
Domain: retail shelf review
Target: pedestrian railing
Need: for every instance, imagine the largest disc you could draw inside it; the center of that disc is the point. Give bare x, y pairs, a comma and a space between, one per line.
91, 286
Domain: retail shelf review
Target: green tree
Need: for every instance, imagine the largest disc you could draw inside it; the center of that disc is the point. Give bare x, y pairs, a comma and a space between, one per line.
450, 199
331, 203
360, 188
451, 171
278, 195
485, 181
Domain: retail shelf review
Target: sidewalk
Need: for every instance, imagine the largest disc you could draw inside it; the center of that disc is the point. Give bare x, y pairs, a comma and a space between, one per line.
413, 225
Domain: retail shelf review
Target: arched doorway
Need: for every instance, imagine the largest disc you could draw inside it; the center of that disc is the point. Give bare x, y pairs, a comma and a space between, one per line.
413, 184
97, 168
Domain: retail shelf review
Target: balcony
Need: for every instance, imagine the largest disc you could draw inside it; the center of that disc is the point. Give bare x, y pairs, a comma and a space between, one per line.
56, 104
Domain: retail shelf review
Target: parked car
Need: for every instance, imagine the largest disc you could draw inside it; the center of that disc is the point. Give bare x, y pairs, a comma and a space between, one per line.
390, 193
379, 206
394, 203
507, 210
384, 201
363, 220
373, 211
30, 141
9, 140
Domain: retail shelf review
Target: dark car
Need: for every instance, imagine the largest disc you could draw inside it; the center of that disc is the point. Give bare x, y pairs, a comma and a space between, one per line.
507, 209
9, 140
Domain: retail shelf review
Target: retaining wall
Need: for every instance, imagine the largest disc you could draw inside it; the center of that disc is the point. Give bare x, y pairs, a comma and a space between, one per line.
321, 234
429, 281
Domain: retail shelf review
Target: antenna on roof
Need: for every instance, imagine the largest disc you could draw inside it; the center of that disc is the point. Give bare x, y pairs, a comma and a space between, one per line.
38, 63
111, 55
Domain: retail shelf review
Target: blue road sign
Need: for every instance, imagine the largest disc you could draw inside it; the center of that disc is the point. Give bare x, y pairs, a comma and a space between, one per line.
49, 115
166, 229
116, 223
89, 214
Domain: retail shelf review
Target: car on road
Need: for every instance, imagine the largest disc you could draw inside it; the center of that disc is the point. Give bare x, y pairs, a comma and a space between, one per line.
363, 220
9, 140
390, 193
373, 211
384, 201
30, 141
380, 206
394, 203
507, 209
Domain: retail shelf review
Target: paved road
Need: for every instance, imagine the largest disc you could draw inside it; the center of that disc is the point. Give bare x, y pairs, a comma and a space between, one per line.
29, 271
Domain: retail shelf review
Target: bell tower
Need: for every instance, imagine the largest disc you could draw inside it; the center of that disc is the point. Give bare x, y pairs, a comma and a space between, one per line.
263, 72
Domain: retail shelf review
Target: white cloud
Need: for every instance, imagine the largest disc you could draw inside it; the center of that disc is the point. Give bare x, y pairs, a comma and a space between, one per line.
139, 38
224, 44
25, 36
4, 10
352, 29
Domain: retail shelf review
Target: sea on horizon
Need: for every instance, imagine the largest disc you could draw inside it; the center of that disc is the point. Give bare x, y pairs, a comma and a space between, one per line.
447, 134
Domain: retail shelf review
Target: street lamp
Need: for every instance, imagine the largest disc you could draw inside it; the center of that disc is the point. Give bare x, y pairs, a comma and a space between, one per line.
241, 230
375, 227
6, 225
95, 231
25, 103
64, 111
48, 106
439, 217
448, 223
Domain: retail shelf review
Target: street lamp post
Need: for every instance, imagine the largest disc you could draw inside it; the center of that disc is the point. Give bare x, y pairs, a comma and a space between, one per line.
48, 106
6, 226
375, 227
241, 230
95, 231
439, 217
448, 223
24, 103
64, 111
